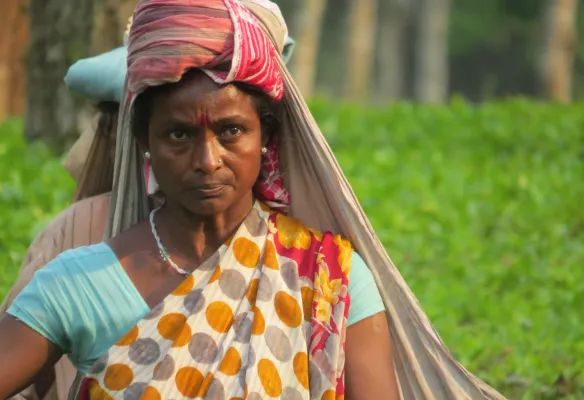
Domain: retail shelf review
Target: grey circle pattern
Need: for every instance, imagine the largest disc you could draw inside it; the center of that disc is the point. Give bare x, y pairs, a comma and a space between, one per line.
135, 390
307, 331
210, 263
278, 343
241, 377
314, 379
242, 327
203, 348
255, 224
289, 273
215, 391
232, 283
291, 394
265, 290
194, 301
100, 364
144, 351
164, 369
155, 312
251, 357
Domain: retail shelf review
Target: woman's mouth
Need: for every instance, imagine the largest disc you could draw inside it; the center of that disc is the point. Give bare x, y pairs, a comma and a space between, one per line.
209, 190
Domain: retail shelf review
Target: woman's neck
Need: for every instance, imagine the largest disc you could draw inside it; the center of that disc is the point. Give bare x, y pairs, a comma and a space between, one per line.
195, 237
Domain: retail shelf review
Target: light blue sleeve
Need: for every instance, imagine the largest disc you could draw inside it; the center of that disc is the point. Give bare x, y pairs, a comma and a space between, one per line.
82, 301
365, 298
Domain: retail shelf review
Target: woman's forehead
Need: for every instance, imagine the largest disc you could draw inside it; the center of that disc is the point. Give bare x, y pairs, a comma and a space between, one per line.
197, 94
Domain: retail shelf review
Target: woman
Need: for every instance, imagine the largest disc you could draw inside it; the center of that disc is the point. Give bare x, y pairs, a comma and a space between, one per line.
223, 294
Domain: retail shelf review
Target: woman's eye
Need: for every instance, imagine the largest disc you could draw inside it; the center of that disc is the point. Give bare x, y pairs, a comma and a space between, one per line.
230, 131
178, 135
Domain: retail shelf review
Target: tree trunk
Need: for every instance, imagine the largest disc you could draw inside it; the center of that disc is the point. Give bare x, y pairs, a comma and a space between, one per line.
308, 25
392, 55
110, 23
360, 46
431, 77
559, 51
60, 33
13, 42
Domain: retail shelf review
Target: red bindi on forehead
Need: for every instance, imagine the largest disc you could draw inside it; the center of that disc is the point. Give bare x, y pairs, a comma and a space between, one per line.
203, 120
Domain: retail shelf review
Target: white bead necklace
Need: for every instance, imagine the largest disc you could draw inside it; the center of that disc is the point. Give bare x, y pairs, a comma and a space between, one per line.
163, 253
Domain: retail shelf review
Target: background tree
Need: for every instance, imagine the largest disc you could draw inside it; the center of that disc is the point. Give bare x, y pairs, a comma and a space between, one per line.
392, 54
308, 23
431, 77
60, 32
13, 42
110, 22
558, 56
360, 48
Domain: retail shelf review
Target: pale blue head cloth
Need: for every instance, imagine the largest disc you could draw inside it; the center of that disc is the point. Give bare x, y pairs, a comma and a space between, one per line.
101, 78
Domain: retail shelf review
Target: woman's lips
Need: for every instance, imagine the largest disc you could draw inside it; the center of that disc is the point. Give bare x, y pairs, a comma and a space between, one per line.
209, 190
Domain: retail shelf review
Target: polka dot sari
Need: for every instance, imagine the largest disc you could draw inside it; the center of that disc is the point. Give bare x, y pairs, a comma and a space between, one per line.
263, 318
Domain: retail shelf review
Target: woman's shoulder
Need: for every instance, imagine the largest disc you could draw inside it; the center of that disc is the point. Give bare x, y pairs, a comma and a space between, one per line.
85, 259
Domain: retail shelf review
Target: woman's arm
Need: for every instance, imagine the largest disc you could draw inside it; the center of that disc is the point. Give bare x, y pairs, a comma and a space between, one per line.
23, 354
369, 370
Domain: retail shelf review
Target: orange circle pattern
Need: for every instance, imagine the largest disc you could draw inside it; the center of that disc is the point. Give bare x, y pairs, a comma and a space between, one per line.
269, 377
174, 327
288, 309
219, 316
185, 287
118, 377
258, 325
129, 338
301, 368
150, 394
246, 252
231, 363
188, 381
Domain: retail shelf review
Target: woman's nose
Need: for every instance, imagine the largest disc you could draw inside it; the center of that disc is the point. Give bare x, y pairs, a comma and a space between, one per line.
207, 154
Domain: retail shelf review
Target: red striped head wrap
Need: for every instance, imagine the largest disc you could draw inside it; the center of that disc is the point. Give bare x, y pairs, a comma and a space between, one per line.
221, 37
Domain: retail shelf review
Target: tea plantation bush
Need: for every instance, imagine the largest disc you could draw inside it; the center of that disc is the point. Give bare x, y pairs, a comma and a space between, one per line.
481, 208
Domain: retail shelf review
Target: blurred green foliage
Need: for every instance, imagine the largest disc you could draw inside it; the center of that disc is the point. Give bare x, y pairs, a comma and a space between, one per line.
33, 188
479, 207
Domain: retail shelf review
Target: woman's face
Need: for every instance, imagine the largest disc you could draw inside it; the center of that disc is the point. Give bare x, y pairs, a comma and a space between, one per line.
205, 142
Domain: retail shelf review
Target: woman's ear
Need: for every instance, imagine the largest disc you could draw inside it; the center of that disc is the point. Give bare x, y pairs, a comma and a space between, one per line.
142, 144
265, 138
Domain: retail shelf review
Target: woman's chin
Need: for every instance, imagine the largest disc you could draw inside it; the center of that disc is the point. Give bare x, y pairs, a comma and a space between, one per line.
211, 205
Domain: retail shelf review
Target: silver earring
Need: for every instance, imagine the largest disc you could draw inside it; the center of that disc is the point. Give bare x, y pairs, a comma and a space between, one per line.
220, 161
147, 155
264, 150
